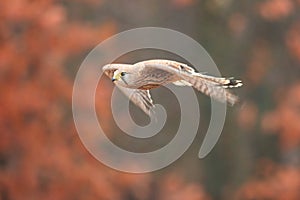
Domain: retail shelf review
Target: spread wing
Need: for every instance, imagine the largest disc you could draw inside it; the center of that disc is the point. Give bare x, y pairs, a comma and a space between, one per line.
169, 64
140, 98
209, 85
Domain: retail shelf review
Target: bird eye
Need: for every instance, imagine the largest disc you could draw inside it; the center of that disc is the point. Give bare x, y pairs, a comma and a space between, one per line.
123, 73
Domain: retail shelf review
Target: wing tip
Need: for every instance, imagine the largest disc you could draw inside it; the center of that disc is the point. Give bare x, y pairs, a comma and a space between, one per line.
234, 100
232, 83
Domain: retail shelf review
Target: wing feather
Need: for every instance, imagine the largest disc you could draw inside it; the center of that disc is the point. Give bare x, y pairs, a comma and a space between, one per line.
206, 84
140, 98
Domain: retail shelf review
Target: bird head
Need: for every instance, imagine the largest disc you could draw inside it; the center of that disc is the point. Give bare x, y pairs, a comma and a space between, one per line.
118, 76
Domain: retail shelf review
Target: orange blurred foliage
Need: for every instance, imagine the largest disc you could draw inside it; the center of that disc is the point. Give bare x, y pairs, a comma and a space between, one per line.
277, 182
293, 40
274, 10
41, 156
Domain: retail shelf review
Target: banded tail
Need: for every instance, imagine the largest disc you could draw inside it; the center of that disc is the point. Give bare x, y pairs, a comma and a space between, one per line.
221, 81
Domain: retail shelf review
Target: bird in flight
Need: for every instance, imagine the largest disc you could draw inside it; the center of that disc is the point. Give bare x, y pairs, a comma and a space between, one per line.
136, 80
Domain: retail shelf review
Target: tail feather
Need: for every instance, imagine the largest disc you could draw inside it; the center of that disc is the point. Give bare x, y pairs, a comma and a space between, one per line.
215, 87
221, 81
231, 98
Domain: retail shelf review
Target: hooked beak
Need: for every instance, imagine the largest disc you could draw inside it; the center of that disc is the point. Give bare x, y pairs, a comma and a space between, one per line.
113, 80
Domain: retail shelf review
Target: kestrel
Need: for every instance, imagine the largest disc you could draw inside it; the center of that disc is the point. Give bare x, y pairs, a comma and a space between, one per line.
136, 80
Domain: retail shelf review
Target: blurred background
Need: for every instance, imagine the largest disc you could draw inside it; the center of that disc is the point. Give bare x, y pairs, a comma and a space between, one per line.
42, 44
